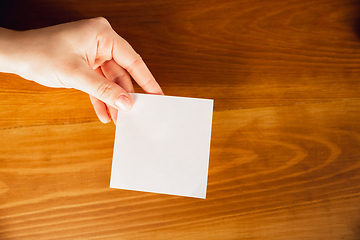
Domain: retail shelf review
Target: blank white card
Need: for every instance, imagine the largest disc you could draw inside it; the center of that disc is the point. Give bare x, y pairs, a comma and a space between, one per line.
162, 145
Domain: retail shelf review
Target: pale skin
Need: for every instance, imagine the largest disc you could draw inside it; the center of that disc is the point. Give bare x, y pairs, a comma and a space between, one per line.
87, 55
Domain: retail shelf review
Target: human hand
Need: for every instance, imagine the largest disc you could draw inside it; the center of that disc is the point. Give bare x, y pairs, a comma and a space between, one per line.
87, 55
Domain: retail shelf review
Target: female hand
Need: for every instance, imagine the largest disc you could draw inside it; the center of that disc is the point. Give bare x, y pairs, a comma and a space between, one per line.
87, 55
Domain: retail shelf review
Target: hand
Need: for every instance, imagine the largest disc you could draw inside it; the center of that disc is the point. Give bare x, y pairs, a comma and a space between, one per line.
87, 55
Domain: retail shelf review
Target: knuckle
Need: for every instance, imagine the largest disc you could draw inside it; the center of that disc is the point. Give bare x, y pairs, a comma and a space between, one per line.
104, 90
94, 24
148, 82
138, 60
101, 21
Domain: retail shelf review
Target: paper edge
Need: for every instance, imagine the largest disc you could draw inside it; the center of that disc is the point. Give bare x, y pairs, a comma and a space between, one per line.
133, 95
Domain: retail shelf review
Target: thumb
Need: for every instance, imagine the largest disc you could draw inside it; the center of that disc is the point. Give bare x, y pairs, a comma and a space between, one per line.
103, 89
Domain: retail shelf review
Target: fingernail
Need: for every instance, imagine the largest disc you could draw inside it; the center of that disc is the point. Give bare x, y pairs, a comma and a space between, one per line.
123, 102
105, 121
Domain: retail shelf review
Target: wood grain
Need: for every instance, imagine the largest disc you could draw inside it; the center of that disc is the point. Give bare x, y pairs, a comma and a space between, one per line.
285, 159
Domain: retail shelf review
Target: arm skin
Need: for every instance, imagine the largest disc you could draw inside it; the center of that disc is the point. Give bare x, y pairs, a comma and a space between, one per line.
87, 55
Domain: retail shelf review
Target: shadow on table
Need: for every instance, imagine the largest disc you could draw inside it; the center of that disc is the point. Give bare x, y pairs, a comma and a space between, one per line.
357, 20
24, 15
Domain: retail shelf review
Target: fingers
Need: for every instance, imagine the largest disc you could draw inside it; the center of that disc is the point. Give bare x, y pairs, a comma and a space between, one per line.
100, 110
113, 113
113, 72
100, 107
103, 89
117, 74
125, 56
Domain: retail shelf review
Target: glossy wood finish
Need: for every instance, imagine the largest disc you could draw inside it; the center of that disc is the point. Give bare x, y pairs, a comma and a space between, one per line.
285, 158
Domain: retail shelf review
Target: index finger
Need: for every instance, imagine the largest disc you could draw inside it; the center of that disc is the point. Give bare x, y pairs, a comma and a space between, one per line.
125, 56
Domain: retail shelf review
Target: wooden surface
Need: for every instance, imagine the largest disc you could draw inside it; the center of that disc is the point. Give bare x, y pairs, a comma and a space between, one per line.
285, 150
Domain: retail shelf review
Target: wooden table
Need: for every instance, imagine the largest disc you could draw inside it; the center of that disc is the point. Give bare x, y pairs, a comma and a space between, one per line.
285, 150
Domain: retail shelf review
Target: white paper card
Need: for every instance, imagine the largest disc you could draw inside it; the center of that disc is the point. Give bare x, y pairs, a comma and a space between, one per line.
162, 145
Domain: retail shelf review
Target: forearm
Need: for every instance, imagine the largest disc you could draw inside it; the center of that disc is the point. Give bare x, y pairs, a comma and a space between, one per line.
7, 38
17, 53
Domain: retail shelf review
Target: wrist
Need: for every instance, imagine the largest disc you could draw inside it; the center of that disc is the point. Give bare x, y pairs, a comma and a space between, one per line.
10, 51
